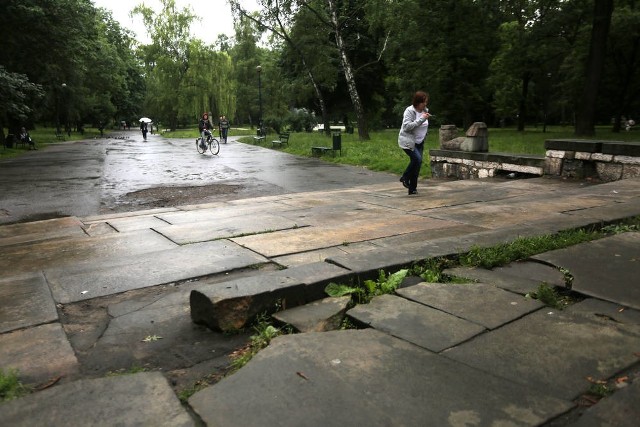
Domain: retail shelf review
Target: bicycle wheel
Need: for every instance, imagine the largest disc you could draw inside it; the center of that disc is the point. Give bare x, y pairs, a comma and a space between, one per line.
200, 146
214, 146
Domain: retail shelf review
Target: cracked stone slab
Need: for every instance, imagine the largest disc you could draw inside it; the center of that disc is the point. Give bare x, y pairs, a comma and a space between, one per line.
135, 223
83, 252
365, 378
618, 410
424, 326
139, 399
311, 238
182, 262
318, 316
480, 303
554, 351
203, 230
521, 285
25, 301
31, 351
606, 268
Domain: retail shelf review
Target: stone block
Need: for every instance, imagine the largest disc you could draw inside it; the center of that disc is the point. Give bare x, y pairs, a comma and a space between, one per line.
581, 155
627, 160
599, 157
555, 154
573, 145
452, 144
447, 133
621, 148
475, 143
609, 171
478, 129
319, 316
553, 166
229, 306
630, 171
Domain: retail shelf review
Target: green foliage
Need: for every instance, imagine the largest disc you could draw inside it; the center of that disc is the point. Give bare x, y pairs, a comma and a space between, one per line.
549, 296
523, 247
301, 119
430, 270
265, 332
10, 385
370, 288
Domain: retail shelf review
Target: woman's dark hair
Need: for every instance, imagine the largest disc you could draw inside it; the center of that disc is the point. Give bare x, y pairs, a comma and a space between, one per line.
420, 97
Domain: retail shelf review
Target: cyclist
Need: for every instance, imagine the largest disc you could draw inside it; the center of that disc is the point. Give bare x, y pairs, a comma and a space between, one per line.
204, 126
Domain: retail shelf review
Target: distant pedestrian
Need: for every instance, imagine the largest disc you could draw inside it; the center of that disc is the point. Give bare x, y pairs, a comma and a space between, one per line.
224, 128
144, 129
415, 125
26, 139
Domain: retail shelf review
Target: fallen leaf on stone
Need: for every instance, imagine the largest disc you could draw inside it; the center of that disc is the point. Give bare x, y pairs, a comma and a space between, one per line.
150, 338
301, 375
594, 381
84, 292
48, 383
622, 379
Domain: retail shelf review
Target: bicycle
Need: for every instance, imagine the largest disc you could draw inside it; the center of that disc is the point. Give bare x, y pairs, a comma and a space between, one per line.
210, 141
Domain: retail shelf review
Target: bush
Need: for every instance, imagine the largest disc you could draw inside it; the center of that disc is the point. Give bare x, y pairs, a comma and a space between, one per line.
301, 119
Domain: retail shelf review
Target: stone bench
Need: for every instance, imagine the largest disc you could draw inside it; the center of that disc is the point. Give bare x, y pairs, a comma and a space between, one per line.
471, 165
604, 160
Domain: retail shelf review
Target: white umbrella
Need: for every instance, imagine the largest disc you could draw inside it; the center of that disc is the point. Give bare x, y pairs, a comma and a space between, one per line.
146, 120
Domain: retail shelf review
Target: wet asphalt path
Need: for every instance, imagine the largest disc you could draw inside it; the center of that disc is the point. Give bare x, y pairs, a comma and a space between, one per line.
93, 176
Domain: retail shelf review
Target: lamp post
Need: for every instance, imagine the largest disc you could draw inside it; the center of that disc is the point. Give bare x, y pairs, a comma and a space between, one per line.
65, 106
260, 130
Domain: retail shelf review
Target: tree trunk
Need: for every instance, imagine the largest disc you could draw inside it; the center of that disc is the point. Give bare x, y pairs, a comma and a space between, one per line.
522, 105
363, 128
586, 112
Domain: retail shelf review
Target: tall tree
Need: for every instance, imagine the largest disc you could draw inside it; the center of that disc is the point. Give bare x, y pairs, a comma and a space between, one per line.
277, 17
586, 112
166, 58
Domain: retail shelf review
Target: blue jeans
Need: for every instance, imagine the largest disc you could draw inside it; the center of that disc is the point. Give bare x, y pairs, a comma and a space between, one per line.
412, 172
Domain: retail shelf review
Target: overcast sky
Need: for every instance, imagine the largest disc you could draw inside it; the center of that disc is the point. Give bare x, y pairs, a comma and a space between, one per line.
216, 16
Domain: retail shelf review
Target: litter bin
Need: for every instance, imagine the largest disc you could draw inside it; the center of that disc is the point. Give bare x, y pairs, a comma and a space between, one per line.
337, 142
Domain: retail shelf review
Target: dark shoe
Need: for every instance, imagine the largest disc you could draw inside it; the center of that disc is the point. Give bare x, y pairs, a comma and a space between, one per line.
404, 183
413, 193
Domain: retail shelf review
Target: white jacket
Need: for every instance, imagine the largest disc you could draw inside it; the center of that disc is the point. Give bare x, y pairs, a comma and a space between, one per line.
410, 121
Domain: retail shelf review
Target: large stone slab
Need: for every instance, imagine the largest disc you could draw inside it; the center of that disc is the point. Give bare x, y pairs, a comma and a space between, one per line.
153, 330
25, 301
607, 268
365, 378
521, 285
311, 238
318, 316
143, 399
203, 230
480, 303
554, 351
424, 326
81, 252
123, 274
316, 276
40, 354
40, 231
231, 305
141, 222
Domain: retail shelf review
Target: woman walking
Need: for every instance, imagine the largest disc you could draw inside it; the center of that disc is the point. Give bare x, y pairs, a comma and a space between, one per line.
415, 125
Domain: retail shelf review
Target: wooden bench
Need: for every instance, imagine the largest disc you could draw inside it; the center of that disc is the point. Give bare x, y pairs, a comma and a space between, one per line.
260, 138
60, 137
283, 139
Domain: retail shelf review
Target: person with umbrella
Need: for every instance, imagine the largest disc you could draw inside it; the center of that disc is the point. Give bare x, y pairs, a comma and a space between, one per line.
144, 127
